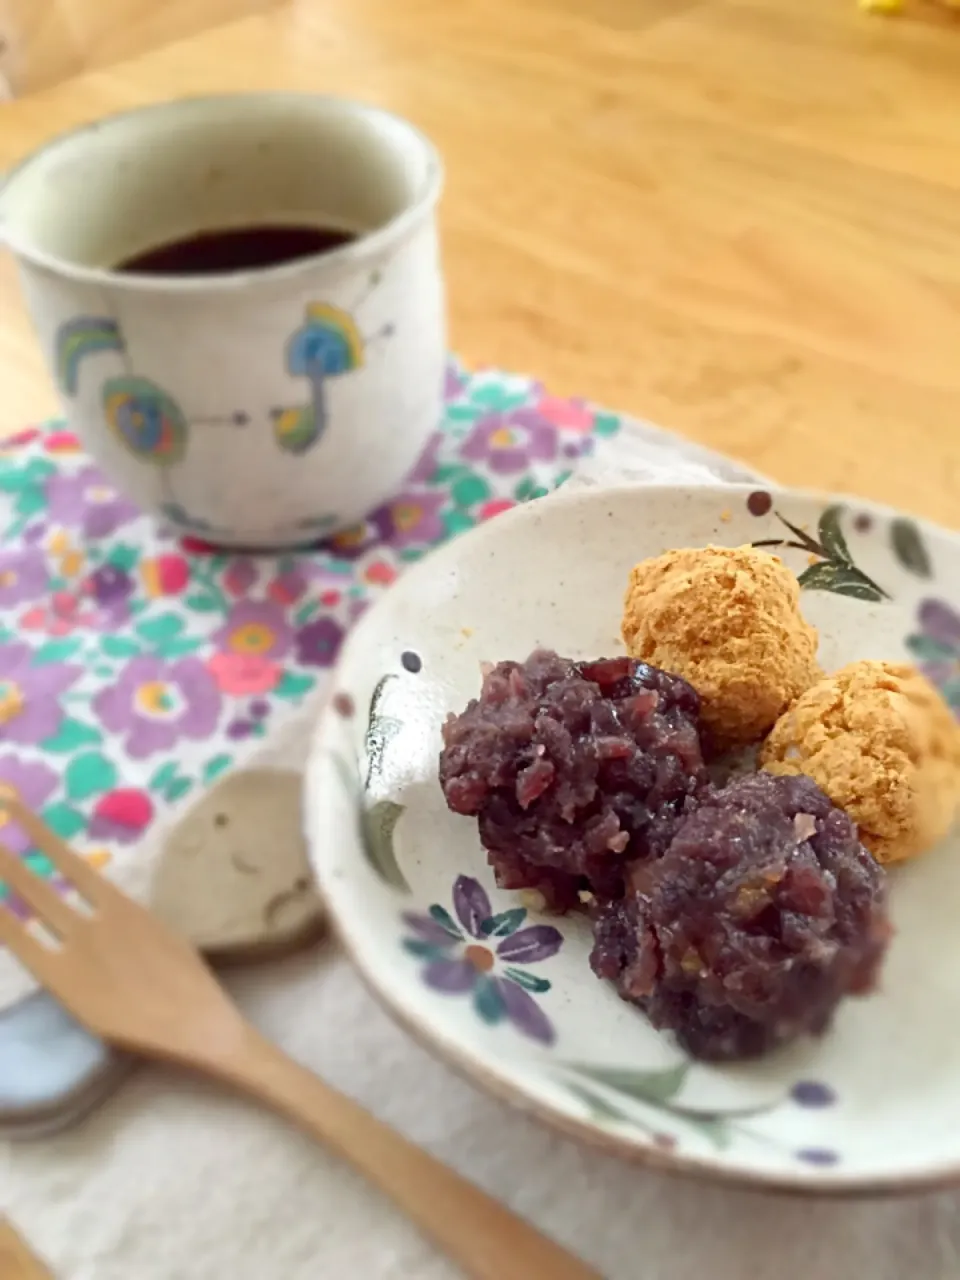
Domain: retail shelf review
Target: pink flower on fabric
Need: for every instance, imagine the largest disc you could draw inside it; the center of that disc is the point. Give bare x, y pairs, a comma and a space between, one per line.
243, 675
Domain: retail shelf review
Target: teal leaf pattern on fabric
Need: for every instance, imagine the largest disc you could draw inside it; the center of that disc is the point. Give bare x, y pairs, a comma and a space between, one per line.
69, 736
89, 774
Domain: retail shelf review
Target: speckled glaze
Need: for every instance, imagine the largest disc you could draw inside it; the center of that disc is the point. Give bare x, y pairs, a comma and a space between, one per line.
507, 994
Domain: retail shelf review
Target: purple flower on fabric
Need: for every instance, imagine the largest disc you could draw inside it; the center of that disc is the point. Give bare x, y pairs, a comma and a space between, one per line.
509, 442
481, 956
936, 646
351, 544
30, 709
23, 576
155, 703
110, 585
85, 500
36, 783
318, 643
257, 628
453, 382
414, 519
424, 471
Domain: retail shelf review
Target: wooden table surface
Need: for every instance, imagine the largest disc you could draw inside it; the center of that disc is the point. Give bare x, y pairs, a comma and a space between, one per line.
739, 218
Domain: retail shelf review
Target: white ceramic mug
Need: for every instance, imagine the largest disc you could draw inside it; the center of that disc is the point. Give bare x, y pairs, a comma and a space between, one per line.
258, 408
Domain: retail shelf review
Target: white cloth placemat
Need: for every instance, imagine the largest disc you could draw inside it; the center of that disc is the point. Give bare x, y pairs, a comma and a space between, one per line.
174, 1179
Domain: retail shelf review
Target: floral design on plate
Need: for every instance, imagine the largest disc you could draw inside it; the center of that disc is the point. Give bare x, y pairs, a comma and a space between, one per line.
486, 956
936, 648
831, 565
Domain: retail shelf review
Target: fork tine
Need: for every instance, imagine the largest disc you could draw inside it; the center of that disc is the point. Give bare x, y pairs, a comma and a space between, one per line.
46, 902
93, 886
31, 953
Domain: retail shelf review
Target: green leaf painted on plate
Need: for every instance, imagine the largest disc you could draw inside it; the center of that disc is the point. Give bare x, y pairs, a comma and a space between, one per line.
488, 1001
831, 536
446, 921
502, 925
602, 1111
57, 650
89, 774
71, 735
381, 730
64, 820
529, 981
424, 950
910, 548
657, 1086
841, 580
929, 650
377, 827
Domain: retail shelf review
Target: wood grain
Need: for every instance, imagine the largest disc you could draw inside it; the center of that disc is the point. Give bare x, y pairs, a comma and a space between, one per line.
45, 41
740, 218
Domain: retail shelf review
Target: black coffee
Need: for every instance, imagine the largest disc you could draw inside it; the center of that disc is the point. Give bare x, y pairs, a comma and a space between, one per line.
211, 253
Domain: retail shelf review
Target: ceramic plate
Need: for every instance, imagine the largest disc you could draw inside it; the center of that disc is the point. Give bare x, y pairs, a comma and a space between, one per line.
506, 994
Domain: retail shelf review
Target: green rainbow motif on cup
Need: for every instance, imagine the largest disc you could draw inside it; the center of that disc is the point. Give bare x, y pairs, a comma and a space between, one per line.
81, 337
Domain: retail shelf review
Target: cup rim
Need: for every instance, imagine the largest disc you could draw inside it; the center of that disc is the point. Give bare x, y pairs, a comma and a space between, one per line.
364, 246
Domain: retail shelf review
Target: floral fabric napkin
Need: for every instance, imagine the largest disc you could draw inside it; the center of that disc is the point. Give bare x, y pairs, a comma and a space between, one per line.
137, 667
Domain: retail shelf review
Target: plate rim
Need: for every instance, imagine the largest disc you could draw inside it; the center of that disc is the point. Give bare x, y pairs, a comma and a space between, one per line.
448, 1048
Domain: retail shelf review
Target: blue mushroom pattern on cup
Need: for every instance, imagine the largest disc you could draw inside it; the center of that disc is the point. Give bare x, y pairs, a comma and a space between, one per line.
327, 345
485, 956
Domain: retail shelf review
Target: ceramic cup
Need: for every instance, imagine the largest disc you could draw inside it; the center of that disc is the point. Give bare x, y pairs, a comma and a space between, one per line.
258, 408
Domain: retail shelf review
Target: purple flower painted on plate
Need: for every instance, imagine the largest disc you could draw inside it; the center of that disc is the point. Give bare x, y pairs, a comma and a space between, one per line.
155, 703
30, 709
936, 646
36, 783
23, 576
86, 500
510, 442
257, 628
318, 643
818, 1156
479, 953
414, 518
811, 1093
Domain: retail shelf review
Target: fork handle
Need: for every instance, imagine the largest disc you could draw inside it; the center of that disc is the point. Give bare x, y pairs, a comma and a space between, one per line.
487, 1240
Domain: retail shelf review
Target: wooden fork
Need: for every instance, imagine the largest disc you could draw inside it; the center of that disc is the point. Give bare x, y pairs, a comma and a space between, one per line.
16, 1260
133, 982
